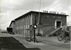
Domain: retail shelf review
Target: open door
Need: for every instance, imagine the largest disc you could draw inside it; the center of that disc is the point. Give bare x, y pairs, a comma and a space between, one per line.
58, 24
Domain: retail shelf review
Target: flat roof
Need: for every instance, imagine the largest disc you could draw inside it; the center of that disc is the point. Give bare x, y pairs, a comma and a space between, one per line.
38, 13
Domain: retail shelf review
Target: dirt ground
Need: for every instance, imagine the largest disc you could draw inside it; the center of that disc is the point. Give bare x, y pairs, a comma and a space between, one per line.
18, 42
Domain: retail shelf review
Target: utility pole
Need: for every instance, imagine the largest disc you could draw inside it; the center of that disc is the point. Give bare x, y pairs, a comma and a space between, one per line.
39, 15
39, 12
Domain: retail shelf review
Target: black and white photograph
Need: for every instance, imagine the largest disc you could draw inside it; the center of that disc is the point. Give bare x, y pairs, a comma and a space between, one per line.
35, 24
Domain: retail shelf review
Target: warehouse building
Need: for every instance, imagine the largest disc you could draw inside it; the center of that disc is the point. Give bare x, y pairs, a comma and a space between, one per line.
45, 22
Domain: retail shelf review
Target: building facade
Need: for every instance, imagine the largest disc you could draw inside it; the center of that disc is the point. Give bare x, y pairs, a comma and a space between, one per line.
45, 22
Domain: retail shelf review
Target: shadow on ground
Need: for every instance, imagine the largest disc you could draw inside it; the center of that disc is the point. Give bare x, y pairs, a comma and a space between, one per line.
10, 43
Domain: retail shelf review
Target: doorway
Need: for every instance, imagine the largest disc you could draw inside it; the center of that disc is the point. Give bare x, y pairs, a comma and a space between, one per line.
58, 24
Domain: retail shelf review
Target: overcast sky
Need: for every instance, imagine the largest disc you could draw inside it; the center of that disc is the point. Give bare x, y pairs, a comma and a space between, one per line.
11, 9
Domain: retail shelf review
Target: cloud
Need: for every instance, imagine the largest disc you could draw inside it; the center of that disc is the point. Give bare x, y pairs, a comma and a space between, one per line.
59, 5
24, 4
